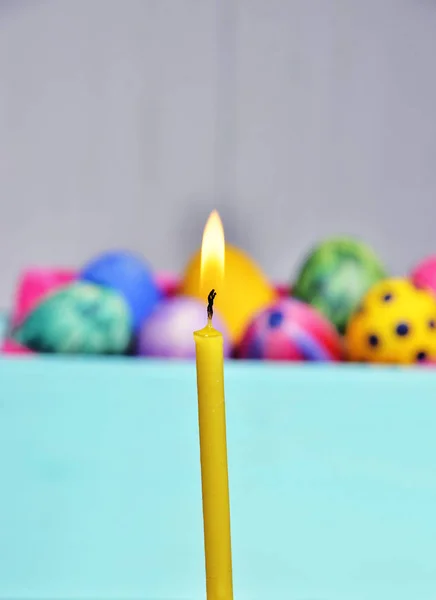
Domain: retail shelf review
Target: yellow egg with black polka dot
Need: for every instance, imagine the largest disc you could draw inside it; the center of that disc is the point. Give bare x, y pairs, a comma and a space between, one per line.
395, 323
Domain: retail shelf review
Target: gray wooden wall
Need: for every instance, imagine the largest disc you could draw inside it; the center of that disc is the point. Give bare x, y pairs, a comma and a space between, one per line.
123, 122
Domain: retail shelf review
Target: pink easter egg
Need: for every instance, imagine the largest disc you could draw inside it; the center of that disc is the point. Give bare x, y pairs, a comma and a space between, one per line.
168, 284
34, 285
424, 274
290, 330
12, 347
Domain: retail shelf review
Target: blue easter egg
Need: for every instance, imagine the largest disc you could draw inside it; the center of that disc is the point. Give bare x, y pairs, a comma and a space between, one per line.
130, 276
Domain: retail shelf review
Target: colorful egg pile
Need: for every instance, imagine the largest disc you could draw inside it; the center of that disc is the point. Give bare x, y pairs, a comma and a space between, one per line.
341, 306
97, 311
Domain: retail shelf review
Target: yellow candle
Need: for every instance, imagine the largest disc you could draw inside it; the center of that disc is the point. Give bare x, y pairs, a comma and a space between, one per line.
212, 426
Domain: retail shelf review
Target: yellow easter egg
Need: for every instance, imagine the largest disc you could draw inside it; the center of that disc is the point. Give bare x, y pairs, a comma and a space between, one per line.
243, 292
395, 323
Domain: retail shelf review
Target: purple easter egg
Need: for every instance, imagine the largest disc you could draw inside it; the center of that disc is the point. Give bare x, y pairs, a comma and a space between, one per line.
168, 332
290, 330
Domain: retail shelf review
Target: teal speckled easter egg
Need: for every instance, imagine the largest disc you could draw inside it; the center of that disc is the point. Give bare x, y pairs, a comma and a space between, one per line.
81, 318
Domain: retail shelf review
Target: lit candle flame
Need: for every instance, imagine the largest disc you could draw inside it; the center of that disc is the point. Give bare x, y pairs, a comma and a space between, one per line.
212, 254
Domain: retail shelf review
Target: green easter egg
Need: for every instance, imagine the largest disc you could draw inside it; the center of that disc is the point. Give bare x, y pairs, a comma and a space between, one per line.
335, 276
81, 318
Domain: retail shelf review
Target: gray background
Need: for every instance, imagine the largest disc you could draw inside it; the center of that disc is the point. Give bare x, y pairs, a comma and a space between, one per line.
124, 122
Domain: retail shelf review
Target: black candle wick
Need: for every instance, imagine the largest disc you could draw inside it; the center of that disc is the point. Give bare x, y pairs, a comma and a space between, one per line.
210, 300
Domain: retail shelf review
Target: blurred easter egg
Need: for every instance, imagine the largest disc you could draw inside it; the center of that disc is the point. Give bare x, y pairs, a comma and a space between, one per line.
290, 330
395, 323
81, 318
168, 332
244, 290
424, 274
335, 276
129, 275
